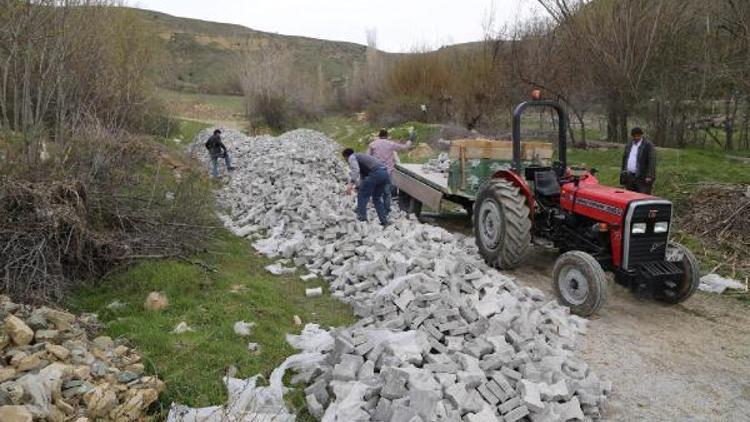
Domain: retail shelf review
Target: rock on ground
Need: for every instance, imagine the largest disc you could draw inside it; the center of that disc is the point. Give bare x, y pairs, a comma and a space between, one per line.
51, 370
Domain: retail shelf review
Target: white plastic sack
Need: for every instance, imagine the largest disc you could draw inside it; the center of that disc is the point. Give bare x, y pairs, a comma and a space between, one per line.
714, 283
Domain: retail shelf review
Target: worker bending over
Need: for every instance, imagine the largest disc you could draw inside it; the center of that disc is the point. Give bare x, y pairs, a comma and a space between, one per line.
370, 177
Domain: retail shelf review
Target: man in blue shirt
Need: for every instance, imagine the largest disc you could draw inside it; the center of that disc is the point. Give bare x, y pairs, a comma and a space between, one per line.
370, 177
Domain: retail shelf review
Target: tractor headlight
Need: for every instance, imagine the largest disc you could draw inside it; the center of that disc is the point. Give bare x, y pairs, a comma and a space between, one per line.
639, 228
661, 227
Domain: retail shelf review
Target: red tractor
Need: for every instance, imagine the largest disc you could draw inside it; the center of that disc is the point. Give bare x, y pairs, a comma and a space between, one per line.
596, 228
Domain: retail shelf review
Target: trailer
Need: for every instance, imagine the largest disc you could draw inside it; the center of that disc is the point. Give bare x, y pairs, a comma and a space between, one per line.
473, 161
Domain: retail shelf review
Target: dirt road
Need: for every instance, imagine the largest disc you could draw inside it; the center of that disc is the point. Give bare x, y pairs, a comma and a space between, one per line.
667, 363
689, 362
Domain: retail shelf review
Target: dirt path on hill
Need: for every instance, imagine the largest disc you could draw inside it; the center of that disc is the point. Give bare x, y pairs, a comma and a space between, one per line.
666, 363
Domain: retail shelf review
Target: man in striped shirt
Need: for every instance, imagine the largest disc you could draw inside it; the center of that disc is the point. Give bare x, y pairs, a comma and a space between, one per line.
385, 150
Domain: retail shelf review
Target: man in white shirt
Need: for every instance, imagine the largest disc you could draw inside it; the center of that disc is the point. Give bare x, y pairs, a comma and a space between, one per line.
638, 164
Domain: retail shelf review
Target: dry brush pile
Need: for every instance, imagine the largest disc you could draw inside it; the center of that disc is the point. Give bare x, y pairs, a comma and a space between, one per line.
720, 217
112, 199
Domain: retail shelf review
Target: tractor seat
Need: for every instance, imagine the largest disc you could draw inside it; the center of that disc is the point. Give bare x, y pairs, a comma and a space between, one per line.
546, 184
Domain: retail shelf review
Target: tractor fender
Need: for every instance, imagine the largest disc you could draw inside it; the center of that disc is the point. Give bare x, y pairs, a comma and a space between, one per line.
522, 185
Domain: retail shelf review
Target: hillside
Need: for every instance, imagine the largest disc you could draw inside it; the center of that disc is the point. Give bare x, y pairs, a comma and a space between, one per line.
201, 56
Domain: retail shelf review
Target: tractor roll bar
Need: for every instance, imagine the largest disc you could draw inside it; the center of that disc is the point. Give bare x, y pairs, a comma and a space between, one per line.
563, 129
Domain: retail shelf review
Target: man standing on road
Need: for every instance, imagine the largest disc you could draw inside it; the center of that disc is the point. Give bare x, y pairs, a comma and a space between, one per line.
638, 164
370, 177
217, 150
385, 150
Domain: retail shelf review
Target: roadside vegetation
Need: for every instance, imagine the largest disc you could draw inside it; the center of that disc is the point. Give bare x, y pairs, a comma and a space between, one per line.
210, 292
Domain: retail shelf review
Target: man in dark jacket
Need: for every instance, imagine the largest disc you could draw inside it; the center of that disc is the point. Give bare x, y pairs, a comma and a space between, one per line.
370, 177
638, 164
217, 150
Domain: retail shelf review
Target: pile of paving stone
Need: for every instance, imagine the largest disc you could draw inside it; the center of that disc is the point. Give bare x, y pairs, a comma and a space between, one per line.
441, 335
441, 164
50, 370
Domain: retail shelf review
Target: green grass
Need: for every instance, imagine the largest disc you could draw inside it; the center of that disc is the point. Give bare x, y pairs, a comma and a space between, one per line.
228, 103
192, 364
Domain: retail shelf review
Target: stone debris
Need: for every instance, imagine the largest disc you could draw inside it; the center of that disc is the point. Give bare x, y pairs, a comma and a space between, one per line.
182, 328
156, 301
253, 347
244, 329
308, 277
51, 370
277, 269
441, 164
441, 335
314, 292
297, 321
116, 305
714, 283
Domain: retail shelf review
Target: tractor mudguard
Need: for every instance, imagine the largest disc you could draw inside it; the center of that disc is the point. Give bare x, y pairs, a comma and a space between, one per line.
518, 181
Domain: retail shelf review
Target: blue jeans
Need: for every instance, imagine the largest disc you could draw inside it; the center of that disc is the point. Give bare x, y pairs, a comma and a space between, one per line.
388, 193
373, 187
215, 163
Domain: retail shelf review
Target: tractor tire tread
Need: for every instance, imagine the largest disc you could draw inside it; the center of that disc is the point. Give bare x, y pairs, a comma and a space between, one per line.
516, 241
694, 273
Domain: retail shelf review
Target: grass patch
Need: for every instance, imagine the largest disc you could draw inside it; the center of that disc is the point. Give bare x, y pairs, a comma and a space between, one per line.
216, 109
192, 364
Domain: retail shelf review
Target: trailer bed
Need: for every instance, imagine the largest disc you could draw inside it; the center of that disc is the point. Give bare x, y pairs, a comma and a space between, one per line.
428, 187
436, 180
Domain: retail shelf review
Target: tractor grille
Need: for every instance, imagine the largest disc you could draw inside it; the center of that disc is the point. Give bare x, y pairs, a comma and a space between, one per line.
649, 246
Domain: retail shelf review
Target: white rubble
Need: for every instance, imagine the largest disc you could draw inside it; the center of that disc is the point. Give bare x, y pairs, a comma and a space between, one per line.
243, 329
714, 283
182, 328
441, 335
441, 164
314, 292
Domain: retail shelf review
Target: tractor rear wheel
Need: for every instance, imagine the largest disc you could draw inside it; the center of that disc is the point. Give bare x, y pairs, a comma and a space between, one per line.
676, 292
580, 282
502, 226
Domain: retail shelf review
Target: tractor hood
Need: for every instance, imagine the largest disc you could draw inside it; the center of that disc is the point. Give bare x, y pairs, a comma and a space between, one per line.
602, 203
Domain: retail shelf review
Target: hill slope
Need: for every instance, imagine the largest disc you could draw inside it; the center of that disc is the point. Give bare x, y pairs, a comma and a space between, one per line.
202, 56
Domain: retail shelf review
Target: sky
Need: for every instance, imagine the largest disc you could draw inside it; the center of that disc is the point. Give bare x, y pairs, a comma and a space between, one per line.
401, 25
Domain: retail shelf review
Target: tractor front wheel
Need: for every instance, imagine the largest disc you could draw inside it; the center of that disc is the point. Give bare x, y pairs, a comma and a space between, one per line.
502, 226
580, 282
678, 291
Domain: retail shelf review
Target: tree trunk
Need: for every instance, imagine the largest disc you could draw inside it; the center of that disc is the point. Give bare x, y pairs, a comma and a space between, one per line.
617, 123
729, 112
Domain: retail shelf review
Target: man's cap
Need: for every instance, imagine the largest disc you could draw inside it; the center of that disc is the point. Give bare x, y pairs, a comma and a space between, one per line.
217, 132
636, 131
383, 133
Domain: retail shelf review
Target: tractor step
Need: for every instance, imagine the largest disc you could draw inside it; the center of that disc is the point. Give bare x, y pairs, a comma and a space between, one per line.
648, 279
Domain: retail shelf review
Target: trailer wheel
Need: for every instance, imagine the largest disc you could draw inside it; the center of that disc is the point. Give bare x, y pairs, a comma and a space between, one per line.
580, 282
676, 292
409, 204
502, 227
